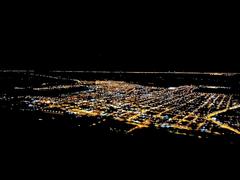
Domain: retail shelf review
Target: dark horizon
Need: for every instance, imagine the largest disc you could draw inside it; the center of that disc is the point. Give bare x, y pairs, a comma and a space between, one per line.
175, 43
121, 54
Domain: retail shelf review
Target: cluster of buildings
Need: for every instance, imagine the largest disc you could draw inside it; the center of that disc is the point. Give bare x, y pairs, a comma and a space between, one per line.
182, 109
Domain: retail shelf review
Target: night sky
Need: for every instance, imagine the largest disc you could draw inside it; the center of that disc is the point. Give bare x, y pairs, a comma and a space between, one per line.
162, 42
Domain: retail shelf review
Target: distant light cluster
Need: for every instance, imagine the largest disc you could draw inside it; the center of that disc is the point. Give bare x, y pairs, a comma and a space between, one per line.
181, 109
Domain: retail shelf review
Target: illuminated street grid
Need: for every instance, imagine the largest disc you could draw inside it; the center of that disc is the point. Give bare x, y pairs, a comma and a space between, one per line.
180, 109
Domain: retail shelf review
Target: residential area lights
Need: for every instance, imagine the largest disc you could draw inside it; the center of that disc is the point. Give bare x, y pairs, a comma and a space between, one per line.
180, 109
